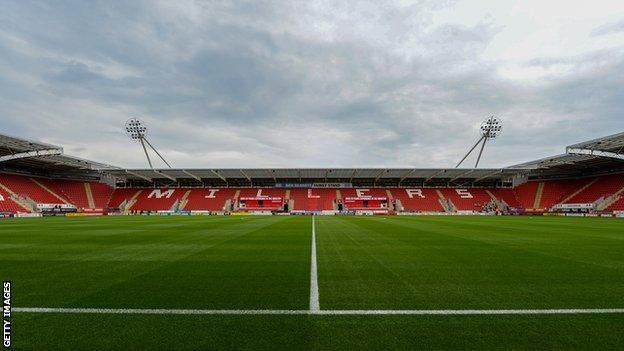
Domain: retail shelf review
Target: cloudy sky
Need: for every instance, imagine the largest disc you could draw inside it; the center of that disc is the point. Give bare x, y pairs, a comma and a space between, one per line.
311, 83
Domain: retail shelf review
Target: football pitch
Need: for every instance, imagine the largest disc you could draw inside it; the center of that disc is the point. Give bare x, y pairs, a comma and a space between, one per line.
323, 282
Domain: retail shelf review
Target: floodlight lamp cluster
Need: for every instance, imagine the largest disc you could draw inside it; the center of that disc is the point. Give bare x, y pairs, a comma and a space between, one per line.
136, 130
490, 129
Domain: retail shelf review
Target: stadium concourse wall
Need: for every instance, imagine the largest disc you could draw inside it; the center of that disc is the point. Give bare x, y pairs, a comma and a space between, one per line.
23, 196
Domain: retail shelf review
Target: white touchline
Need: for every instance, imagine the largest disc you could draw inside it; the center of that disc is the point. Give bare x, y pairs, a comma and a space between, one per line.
318, 312
314, 291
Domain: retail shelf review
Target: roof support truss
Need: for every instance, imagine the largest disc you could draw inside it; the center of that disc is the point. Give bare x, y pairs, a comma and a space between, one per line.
436, 174
461, 175
34, 153
138, 175
379, 175
579, 151
246, 176
218, 175
162, 173
488, 175
191, 175
407, 175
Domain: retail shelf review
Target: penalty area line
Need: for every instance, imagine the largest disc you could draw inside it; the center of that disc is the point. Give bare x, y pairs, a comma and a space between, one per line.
319, 312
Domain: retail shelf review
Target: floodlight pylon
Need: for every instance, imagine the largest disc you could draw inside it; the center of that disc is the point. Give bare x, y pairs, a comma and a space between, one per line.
490, 129
136, 130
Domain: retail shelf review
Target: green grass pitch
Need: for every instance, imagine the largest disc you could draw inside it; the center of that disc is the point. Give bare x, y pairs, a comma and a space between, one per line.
364, 263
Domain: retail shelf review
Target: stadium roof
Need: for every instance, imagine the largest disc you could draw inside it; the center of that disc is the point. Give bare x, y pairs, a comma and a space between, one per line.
594, 156
19, 154
598, 155
612, 143
328, 174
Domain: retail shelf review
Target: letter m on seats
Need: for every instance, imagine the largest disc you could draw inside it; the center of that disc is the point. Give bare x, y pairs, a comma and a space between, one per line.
157, 193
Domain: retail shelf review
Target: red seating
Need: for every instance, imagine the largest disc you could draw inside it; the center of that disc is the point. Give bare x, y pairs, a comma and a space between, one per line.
604, 187
507, 195
122, 194
467, 199
53, 185
209, 199
74, 191
556, 190
418, 199
618, 205
257, 194
365, 199
25, 187
8, 205
525, 194
260, 192
157, 199
317, 199
313, 199
101, 194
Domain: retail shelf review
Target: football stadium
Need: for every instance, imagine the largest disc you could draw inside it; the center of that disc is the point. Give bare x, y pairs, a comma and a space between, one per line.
312, 175
525, 256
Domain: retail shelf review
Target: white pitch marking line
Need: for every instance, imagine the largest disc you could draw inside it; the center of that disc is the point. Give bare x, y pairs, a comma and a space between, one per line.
320, 312
314, 291
151, 311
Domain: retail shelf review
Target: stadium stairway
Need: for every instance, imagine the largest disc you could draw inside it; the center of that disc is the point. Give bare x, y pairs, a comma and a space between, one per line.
49, 188
466, 199
499, 202
579, 191
526, 193
89, 193
25, 188
74, 191
610, 201
617, 204
101, 193
338, 197
12, 203
126, 203
182, 202
208, 199
418, 200
507, 196
538, 195
390, 200
555, 190
156, 199
604, 187
447, 204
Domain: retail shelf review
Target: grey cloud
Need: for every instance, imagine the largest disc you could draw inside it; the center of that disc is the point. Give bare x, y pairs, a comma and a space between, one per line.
283, 84
609, 28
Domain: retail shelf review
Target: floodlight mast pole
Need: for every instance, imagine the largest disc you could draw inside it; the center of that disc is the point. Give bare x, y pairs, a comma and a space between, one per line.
469, 152
135, 130
485, 138
490, 128
146, 154
157, 153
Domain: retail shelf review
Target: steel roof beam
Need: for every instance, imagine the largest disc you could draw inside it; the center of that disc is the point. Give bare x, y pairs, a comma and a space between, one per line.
218, 175
138, 175
30, 154
578, 151
191, 175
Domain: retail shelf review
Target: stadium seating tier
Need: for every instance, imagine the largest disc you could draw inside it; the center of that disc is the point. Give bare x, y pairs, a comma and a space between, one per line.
91, 194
